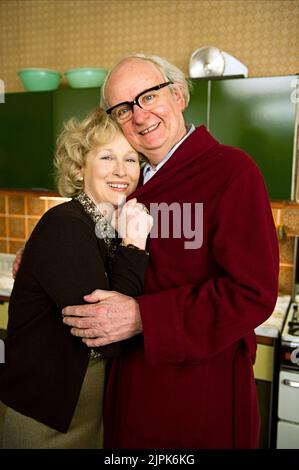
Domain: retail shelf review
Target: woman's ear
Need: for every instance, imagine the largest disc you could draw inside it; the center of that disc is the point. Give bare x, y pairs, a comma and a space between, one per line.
81, 174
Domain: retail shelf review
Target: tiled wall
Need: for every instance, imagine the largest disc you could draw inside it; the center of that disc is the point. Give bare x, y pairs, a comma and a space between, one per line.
19, 213
61, 34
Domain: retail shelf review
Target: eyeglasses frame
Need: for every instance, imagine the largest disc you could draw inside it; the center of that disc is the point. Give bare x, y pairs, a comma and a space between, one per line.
136, 100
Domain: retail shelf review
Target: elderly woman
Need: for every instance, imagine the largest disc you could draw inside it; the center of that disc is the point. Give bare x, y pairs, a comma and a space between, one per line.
52, 384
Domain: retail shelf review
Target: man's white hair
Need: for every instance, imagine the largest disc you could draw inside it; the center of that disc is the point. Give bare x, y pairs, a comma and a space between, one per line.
170, 72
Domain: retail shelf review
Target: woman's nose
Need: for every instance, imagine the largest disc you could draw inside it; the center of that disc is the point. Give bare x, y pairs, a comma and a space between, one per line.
119, 169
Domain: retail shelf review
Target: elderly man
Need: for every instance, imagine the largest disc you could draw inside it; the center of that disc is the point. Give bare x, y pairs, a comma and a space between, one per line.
185, 380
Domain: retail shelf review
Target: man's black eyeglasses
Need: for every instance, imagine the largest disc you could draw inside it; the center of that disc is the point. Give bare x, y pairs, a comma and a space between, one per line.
146, 100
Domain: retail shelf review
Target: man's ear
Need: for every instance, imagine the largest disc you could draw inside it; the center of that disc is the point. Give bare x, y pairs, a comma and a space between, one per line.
178, 94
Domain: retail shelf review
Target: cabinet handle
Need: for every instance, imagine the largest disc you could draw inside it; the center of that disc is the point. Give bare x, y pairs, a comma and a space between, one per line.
290, 383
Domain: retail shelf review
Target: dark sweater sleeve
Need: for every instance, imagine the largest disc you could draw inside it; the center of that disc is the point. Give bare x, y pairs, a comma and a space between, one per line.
66, 259
128, 271
69, 264
127, 277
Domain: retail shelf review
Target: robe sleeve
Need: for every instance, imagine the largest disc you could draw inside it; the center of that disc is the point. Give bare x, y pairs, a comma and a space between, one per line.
190, 323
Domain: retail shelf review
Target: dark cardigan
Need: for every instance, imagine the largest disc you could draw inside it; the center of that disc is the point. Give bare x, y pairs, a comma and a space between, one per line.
63, 260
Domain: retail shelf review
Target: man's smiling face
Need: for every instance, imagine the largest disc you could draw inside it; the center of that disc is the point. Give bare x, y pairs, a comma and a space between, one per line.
152, 132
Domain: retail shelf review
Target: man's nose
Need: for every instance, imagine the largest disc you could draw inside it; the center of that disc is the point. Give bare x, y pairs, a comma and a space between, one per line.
139, 114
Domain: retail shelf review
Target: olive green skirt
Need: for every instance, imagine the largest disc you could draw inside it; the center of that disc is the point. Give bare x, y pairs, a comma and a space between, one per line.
85, 432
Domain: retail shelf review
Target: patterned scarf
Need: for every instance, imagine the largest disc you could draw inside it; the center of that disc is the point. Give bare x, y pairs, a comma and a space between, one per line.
103, 228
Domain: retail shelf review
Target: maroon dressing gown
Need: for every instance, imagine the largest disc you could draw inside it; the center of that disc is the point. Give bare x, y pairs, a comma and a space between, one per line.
188, 382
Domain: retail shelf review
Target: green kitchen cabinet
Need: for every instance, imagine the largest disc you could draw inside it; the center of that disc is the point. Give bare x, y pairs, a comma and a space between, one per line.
258, 115
26, 149
255, 114
29, 125
72, 102
198, 110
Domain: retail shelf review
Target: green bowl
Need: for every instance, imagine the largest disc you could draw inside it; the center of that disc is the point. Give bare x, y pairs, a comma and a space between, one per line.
39, 79
86, 77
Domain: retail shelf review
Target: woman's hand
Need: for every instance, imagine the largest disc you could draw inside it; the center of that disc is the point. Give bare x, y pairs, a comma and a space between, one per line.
134, 224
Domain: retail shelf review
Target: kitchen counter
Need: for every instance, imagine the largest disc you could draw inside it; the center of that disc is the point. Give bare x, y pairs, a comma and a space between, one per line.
266, 368
6, 279
272, 327
6, 285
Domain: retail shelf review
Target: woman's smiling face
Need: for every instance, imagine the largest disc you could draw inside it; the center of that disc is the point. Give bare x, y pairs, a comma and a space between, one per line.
111, 171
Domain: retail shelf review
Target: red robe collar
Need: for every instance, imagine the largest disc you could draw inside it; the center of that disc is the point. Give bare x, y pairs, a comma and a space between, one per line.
185, 159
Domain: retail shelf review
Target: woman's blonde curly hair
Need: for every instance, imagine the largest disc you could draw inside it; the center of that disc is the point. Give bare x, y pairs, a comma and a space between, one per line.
77, 139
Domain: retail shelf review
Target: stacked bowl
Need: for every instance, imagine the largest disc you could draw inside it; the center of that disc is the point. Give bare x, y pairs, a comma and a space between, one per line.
86, 77
36, 79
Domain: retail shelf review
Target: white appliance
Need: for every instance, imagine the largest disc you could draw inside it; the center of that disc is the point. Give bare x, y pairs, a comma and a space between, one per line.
288, 392
209, 61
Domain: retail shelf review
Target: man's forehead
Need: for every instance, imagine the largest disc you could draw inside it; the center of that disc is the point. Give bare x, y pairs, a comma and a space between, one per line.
129, 66
132, 77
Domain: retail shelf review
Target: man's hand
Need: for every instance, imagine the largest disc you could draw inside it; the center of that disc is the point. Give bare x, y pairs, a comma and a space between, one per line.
112, 318
17, 262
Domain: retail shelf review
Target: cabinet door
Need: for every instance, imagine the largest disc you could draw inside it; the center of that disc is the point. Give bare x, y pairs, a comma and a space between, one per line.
287, 435
258, 115
72, 102
26, 150
197, 111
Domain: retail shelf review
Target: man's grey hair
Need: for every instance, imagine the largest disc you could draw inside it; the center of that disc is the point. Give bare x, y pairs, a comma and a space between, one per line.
170, 72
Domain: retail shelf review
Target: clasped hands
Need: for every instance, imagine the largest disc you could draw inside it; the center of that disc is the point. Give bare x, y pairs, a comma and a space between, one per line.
108, 317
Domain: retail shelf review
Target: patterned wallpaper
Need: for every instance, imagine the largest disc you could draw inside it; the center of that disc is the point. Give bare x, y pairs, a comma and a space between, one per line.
61, 34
